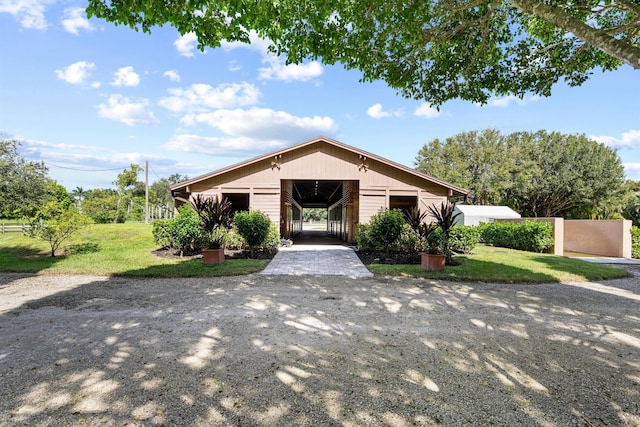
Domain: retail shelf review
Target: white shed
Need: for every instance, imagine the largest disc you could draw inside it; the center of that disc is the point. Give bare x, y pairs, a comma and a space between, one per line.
474, 215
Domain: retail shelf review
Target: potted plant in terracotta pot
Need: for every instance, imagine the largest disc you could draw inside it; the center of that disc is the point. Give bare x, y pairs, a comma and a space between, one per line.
215, 216
445, 217
433, 258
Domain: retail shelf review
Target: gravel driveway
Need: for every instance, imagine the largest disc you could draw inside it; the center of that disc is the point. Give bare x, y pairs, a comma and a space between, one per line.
317, 351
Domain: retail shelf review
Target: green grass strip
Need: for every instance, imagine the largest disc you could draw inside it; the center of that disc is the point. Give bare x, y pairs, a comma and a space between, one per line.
111, 250
500, 265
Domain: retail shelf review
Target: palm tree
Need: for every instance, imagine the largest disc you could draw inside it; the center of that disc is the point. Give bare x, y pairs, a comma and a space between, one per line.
78, 193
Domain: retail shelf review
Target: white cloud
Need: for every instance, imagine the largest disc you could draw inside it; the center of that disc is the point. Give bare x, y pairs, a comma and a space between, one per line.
375, 111
30, 13
264, 123
201, 97
75, 18
234, 66
172, 75
276, 67
426, 110
187, 44
628, 139
278, 70
76, 73
125, 76
121, 109
35, 144
220, 146
505, 101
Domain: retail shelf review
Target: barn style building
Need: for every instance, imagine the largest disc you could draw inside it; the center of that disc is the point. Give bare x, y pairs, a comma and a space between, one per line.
350, 183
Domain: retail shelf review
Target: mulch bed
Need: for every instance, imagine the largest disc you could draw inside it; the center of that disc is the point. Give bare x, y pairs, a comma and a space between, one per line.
228, 254
388, 257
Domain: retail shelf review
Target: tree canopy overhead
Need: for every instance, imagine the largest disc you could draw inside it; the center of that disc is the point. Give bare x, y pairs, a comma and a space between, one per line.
432, 50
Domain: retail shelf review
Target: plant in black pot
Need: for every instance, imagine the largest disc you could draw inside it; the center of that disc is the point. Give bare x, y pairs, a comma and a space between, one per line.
215, 217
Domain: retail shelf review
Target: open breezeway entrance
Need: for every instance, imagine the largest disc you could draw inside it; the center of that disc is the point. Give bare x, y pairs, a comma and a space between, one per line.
339, 198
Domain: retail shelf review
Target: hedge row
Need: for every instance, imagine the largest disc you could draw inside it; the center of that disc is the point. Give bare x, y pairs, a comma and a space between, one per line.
529, 236
635, 242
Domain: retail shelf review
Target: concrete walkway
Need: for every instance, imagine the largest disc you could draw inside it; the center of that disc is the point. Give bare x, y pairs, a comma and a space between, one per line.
323, 260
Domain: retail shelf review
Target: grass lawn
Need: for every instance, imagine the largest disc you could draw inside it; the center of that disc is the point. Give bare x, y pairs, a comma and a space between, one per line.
125, 250
489, 264
110, 249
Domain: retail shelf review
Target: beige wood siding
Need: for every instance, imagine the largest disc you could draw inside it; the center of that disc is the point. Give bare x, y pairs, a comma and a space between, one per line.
370, 204
321, 162
268, 203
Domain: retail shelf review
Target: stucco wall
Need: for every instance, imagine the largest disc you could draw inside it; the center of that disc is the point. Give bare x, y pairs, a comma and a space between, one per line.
606, 238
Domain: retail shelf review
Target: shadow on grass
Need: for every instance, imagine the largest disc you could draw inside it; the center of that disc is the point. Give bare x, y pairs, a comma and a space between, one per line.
26, 259
196, 268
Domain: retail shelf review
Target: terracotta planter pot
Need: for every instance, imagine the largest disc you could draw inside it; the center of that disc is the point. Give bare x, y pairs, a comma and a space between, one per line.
213, 256
433, 261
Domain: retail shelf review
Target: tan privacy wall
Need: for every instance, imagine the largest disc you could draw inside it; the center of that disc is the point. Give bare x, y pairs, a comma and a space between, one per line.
606, 238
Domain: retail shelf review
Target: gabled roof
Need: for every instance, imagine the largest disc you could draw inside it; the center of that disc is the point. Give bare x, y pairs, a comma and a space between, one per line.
328, 141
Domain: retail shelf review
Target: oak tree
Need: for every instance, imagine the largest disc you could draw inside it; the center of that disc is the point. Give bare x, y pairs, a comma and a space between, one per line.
538, 174
432, 50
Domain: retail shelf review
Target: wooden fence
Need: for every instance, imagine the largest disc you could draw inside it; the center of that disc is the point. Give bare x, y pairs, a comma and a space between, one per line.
6, 228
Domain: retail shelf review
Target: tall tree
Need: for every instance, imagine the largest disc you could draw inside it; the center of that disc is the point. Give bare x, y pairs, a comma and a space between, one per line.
475, 160
572, 176
128, 186
159, 191
101, 205
432, 50
24, 185
78, 194
537, 174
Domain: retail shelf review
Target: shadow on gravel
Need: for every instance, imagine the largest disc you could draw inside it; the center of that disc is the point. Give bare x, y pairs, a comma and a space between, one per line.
323, 351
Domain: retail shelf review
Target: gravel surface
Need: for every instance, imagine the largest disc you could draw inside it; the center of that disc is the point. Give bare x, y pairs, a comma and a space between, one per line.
317, 351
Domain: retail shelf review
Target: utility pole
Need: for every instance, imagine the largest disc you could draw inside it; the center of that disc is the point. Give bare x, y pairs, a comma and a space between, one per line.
146, 192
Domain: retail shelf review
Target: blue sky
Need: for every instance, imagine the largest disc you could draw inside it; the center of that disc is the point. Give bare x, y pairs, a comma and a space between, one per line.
89, 98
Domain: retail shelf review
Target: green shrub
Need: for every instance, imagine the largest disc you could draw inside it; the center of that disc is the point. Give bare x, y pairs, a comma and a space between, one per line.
408, 241
463, 238
363, 238
254, 228
529, 236
386, 227
186, 232
234, 240
160, 231
635, 242
273, 238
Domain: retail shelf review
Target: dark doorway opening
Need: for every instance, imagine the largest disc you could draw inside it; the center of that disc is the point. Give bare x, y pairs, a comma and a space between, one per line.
335, 201
239, 201
404, 203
